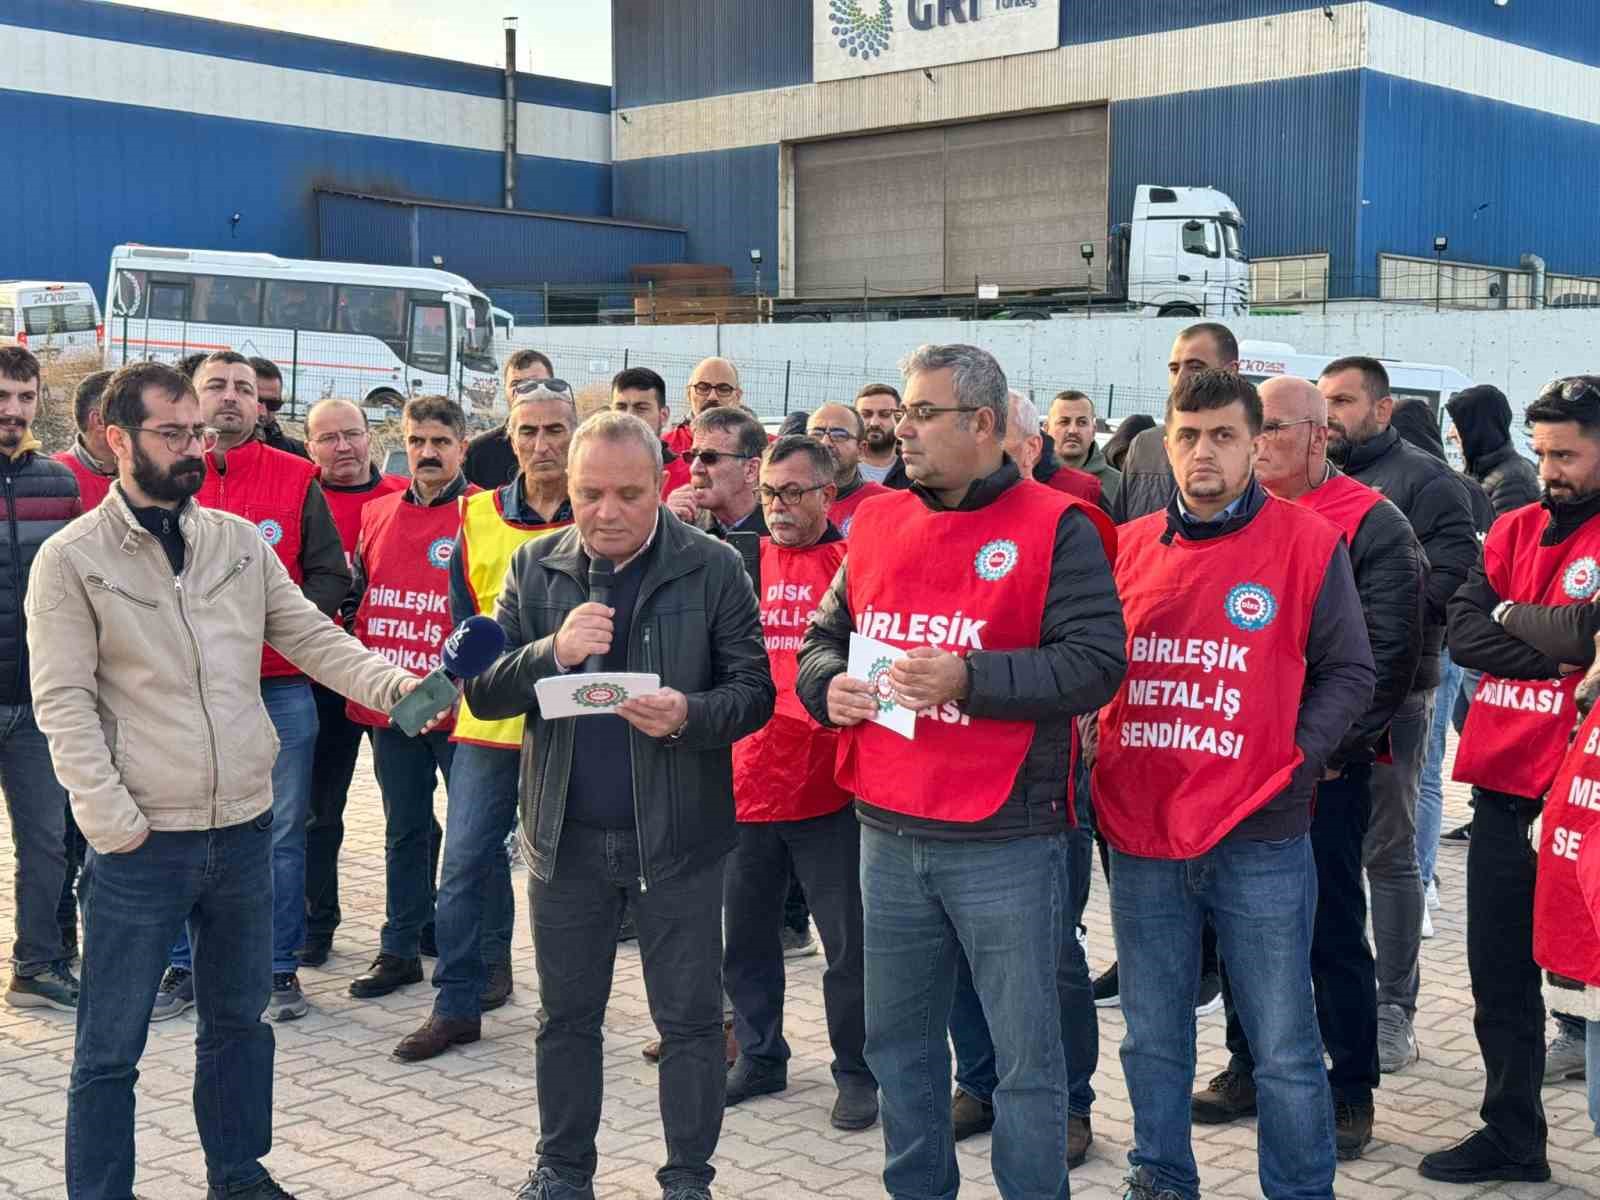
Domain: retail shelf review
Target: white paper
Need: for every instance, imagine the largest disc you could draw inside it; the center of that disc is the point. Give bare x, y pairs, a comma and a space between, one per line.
586, 695
870, 660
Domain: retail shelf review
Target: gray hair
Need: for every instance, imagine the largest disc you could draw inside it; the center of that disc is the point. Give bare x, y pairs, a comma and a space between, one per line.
617, 428
824, 463
979, 381
540, 395
1024, 413
737, 421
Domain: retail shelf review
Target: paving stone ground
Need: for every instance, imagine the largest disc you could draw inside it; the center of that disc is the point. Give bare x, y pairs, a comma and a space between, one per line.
351, 1122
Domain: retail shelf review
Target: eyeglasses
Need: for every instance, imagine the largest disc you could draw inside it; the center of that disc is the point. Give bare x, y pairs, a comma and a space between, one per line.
353, 437
1274, 428
790, 493
528, 386
272, 405
711, 457
921, 414
834, 433
723, 390
178, 439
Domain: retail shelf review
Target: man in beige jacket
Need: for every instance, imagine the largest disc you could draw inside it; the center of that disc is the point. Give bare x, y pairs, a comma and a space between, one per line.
146, 619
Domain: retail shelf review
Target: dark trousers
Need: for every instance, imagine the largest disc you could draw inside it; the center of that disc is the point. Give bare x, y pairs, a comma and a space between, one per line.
826, 853
796, 913
36, 805
1343, 973
77, 849
576, 916
408, 770
333, 766
1509, 1014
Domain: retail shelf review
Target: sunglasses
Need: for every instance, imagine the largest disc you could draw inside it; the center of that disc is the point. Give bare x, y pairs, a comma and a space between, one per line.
711, 457
529, 386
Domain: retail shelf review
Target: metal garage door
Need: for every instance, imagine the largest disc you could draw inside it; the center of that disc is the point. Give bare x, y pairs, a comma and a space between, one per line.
928, 210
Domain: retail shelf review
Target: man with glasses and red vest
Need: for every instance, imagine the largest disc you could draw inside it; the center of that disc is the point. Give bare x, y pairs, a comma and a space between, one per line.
1525, 618
340, 445
278, 494
474, 910
1391, 577
714, 383
1248, 660
1000, 595
842, 429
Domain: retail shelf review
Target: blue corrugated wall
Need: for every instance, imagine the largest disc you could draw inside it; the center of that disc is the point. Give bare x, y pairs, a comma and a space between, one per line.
693, 48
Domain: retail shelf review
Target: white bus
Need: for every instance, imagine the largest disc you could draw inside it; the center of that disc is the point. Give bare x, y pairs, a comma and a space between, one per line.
371, 334
54, 320
1260, 361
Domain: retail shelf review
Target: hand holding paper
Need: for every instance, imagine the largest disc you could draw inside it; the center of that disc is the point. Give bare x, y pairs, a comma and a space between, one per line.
872, 661
587, 695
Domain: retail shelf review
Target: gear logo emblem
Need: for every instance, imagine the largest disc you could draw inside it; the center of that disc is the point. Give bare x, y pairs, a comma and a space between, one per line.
1582, 579
882, 689
996, 560
864, 36
271, 532
439, 552
1250, 606
599, 695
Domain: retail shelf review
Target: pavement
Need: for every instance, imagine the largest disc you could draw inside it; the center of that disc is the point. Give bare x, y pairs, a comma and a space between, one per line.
351, 1122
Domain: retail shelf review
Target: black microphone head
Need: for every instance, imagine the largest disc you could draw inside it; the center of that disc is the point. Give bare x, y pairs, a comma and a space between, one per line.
472, 647
600, 572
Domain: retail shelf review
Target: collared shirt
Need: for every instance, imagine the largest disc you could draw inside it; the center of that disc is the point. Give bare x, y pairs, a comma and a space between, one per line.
448, 494
1215, 519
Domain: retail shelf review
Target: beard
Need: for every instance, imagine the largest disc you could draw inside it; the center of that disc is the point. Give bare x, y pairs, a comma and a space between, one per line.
879, 440
11, 434
173, 485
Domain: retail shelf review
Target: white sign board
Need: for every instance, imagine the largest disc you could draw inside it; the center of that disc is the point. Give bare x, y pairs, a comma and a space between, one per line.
872, 37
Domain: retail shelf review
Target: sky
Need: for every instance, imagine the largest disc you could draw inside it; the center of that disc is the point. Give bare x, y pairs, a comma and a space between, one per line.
554, 37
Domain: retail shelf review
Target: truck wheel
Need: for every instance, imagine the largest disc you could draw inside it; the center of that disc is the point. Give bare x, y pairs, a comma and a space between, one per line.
1179, 310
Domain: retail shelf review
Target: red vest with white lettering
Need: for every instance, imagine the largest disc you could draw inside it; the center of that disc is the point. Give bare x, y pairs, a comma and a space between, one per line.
92, 486
346, 505
843, 512
267, 488
958, 581
1344, 501
1516, 731
1201, 732
405, 613
1565, 939
784, 771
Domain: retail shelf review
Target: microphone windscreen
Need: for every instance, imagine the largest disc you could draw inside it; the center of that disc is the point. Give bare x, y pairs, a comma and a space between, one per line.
472, 647
600, 572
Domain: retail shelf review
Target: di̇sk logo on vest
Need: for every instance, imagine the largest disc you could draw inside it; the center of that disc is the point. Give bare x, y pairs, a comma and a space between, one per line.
1250, 606
996, 560
1582, 579
271, 532
439, 552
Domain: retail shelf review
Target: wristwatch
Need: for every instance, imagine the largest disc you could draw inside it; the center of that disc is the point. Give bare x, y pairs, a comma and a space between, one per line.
1498, 616
677, 734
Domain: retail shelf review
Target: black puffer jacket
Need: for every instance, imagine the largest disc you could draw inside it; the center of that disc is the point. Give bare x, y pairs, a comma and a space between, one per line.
1079, 664
1435, 501
1483, 419
39, 496
696, 624
1148, 484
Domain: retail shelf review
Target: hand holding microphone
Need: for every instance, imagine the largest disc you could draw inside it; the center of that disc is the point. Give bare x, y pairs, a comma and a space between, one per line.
469, 651
584, 638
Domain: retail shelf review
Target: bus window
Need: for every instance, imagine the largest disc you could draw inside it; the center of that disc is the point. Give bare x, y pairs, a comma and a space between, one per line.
8, 322
226, 300
41, 319
169, 301
377, 311
292, 304
430, 337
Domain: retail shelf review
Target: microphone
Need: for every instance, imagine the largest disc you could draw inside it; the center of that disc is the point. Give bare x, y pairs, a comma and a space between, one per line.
469, 651
600, 574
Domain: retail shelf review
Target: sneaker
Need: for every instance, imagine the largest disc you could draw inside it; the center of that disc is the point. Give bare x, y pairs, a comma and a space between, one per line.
1105, 988
513, 850
175, 994
288, 1002
798, 943
1459, 836
1397, 1042
1431, 895
545, 1184
497, 990
1563, 1057
54, 987
1228, 1097
266, 1188
1140, 1186
1210, 997
1427, 924
1352, 1129
686, 1191
1476, 1159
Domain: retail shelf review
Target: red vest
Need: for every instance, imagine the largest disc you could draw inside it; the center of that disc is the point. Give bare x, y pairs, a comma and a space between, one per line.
1565, 938
267, 488
843, 512
674, 475
1077, 483
92, 486
958, 581
346, 506
1201, 732
1516, 731
784, 771
405, 612
1344, 501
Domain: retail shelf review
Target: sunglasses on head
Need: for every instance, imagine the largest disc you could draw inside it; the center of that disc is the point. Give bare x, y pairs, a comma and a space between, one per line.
529, 386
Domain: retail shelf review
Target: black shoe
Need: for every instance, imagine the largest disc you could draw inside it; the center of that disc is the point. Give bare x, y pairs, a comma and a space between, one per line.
1352, 1129
1226, 1098
969, 1116
856, 1106
316, 950
427, 943
53, 987
387, 972
1459, 836
1476, 1159
1105, 988
498, 989
1080, 1136
266, 1189
747, 1080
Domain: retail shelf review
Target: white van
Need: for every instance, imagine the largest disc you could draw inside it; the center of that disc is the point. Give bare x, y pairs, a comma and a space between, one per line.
51, 319
1407, 380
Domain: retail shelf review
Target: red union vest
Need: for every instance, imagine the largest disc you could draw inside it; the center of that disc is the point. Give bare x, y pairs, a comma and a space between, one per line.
92, 486
1565, 937
346, 504
959, 581
1516, 731
843, 512
1082, 484
1201, 732
267, 488
405, 612
1344, 501
784, 771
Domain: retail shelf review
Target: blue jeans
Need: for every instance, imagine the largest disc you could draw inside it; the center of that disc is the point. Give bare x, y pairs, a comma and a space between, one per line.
1430, 798
1262, 899
219, 881
37, 807
1591, 1059
1080, 1027
294, 715
406, 768
473, 915
924, 902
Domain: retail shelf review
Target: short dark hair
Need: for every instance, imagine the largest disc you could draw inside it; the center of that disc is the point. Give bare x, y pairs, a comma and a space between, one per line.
190, 363
880, 389
1573, 398
640, 379
231, 358
1074, 394
521, 360
266, 369
436, 408
823, 460
1373, 377
737, 421
1208, 390
122, 401
18, 363
1219, 333
87, 397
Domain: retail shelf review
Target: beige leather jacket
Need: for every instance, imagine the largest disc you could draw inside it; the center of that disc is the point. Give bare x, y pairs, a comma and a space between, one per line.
148, 685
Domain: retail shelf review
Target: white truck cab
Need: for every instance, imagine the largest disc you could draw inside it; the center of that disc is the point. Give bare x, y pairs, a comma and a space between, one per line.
1182, 254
